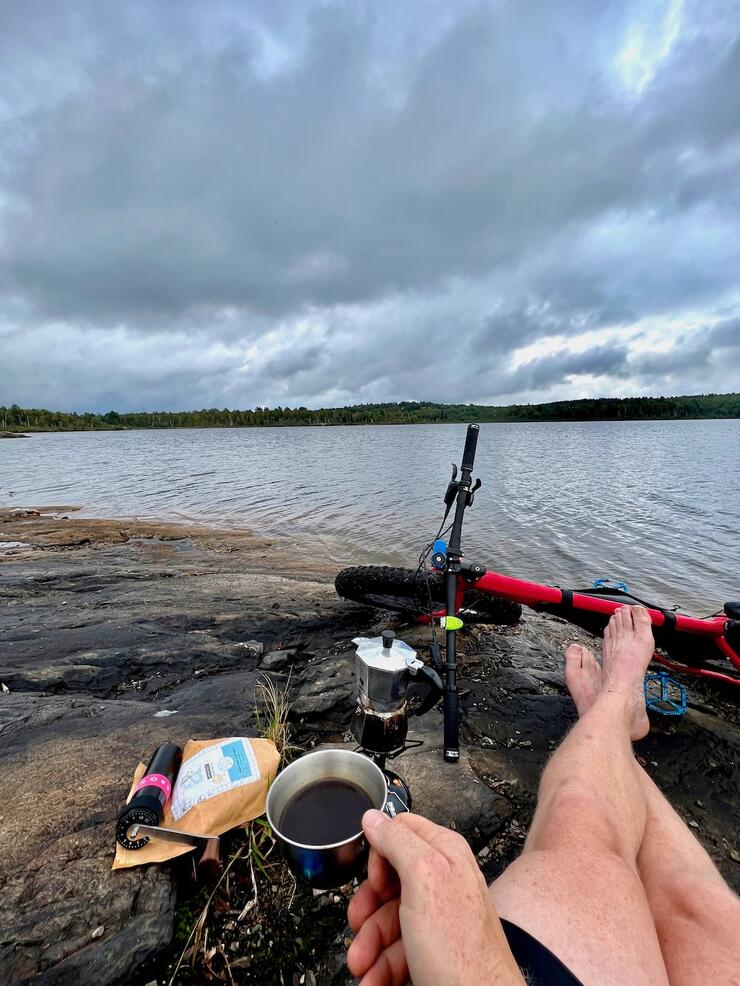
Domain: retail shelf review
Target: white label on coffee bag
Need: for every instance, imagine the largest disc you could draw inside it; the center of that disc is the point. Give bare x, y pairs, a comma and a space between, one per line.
215, 770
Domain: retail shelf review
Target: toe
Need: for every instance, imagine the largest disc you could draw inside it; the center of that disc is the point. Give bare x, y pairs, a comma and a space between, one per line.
643, 624
574, 655
615, 623
625, 620
641, 617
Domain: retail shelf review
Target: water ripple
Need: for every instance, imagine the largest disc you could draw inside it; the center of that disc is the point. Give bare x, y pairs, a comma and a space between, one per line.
654, 503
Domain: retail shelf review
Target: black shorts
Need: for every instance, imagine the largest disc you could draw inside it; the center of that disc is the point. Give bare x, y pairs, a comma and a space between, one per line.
538, 964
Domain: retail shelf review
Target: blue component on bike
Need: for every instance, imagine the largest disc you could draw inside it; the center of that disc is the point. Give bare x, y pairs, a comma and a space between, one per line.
664, 694
439, 554
610, 584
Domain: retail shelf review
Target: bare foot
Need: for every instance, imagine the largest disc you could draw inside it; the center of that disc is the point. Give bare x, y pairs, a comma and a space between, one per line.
583, 676
628, 647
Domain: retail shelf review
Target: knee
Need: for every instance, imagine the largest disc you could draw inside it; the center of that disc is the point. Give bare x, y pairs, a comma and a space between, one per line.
575, 815
687, 897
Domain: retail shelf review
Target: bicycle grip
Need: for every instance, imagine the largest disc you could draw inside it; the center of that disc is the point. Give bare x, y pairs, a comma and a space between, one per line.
452, 726
471, 441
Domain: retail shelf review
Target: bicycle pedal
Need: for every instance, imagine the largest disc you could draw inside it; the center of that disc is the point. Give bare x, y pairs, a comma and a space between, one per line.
664, 694
615, 584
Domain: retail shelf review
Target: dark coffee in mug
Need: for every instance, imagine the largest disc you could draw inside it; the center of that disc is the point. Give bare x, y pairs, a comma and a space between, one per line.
324, 812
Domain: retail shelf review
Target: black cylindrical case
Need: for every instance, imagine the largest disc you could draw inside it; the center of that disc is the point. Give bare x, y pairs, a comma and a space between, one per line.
147, 803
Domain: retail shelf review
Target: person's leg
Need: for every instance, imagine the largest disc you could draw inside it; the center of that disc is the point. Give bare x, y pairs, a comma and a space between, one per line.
696, 914
576, 887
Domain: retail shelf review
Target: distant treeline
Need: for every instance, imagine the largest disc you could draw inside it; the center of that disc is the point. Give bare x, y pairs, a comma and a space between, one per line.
16, 418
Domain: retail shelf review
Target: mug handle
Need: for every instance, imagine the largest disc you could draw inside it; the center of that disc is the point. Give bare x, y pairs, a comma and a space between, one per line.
398, 799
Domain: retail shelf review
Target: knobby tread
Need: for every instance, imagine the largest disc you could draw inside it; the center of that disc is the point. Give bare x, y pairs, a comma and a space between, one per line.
403, 590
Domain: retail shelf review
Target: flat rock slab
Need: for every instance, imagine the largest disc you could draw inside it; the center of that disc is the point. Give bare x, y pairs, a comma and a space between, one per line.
66, 766
450, 794
67, 762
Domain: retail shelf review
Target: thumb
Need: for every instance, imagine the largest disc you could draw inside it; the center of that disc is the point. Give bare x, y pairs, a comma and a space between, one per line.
394, 839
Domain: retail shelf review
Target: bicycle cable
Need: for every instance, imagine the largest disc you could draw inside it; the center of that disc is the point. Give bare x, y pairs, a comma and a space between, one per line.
422, 568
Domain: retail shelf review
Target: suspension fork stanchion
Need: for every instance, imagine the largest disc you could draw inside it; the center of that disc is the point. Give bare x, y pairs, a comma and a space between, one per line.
451, 699
464, 497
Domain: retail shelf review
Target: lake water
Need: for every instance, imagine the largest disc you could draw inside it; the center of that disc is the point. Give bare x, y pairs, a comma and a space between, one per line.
653, 503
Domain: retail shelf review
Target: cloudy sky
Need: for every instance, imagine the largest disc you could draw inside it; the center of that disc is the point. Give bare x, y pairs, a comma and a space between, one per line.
280, 202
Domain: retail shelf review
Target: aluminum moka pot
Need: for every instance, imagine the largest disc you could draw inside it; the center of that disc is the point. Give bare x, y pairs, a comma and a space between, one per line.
385, 667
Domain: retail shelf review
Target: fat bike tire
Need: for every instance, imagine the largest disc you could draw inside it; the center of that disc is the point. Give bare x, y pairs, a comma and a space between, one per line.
403, 590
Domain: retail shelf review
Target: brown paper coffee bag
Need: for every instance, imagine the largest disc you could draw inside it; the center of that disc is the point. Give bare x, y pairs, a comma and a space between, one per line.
222, 784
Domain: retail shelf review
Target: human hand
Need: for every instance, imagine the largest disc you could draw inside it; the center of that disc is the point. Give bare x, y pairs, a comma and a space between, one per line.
424, 911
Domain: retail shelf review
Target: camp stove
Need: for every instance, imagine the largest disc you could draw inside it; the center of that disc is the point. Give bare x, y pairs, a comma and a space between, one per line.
385, 667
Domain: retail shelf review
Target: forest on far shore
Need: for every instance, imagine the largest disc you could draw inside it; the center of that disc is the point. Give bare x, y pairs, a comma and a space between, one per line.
16, 418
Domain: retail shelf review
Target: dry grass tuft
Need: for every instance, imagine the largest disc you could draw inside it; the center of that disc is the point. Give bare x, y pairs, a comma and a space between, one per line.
271, 713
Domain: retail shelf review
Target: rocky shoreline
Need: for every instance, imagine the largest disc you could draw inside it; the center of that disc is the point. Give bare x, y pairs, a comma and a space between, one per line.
105, 623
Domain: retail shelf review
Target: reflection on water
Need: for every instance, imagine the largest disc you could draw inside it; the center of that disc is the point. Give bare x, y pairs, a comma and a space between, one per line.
653, 503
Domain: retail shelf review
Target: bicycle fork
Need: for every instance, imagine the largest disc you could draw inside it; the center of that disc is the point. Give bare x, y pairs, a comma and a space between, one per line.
451, 699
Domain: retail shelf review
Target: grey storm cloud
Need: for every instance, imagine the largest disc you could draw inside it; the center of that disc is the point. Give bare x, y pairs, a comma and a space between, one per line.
325, 202
725, 335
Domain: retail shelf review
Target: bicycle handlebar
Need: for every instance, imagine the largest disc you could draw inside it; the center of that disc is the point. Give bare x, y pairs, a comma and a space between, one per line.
471, 442
462, 494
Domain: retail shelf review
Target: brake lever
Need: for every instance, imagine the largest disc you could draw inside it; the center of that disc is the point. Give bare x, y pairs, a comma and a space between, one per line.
471, 495
451, 488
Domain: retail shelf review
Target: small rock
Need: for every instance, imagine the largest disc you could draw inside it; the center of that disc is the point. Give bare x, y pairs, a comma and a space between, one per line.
694, 824
251, 648
276, 660
526, 744
98, 932
735, 855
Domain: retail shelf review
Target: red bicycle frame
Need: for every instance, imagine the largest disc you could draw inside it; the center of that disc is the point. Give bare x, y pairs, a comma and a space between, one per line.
535, 595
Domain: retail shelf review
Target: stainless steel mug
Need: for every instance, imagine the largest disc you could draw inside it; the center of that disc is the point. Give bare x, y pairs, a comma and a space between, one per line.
328, 866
